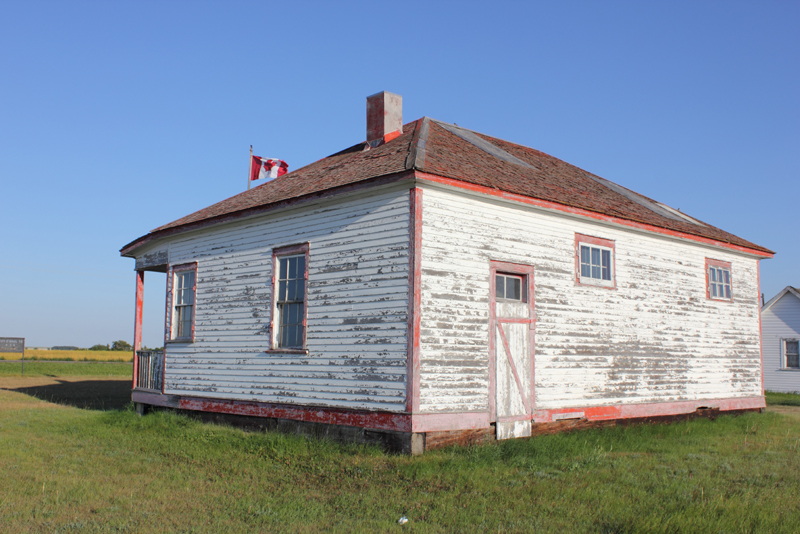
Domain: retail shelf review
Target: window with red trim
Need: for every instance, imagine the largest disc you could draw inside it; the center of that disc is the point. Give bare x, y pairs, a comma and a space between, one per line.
290, 297
182, 308
594, 261
719, 282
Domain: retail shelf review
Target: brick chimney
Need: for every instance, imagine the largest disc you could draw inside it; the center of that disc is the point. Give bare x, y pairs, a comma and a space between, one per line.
384, 117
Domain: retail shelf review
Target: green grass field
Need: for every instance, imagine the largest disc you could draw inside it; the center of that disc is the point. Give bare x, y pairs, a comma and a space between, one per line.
43, 368
71, 355
68, 469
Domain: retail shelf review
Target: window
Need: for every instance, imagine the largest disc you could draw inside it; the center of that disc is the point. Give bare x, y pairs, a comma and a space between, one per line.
289, 313
510, 287
184, 288
594, 261
791, 354
718, 280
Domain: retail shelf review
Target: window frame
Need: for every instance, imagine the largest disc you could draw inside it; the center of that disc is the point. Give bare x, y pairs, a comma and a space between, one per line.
718, 264
784, 354
171, 330
275, 318
523, 282
599, 243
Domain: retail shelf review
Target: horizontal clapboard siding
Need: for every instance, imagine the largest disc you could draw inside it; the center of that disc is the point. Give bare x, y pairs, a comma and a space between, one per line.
780, 321
656, 338
357, 306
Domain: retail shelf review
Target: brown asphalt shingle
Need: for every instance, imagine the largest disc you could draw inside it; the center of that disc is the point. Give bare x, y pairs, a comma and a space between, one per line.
451, 152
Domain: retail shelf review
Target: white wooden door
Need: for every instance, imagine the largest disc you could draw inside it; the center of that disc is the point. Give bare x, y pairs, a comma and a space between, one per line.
512, 329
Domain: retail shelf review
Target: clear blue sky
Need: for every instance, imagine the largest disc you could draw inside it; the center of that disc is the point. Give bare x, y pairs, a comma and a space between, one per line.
117, 117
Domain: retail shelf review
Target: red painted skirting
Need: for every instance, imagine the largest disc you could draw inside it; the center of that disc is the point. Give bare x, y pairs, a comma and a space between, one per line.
629, 411
403, 422
331, 416
433, 422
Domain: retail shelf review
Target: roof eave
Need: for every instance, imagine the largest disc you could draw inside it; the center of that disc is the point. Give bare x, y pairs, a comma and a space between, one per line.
129, 250
761, 253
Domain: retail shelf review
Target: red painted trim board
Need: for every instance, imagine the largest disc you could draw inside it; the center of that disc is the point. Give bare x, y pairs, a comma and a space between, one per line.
167, 328
760, 338
585, 213
137, 324
414, 299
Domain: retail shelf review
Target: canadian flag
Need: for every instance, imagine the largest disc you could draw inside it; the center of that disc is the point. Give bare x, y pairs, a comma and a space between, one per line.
267, 168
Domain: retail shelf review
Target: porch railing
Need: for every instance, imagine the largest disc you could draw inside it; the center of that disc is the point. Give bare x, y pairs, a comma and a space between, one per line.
149, 369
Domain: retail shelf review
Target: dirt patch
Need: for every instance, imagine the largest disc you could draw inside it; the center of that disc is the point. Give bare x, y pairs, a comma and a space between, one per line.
89, 393
791, 411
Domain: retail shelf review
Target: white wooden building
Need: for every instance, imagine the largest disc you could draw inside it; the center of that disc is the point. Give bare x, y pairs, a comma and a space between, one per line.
436, 285
780, 328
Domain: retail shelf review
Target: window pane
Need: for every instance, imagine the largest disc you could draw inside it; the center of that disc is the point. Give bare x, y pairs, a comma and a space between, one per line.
606, 265
281, 290
292, 267
726, 277
595, 257
727, 292
713, 288
500, 287
283, 264
585, 254
284, 341
586, 270
301, 267
712, 274
513, 288
792, 356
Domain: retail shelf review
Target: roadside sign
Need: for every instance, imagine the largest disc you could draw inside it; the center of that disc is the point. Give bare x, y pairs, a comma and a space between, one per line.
14, 344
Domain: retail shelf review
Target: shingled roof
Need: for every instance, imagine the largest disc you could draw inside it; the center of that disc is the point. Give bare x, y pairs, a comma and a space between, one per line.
449, 151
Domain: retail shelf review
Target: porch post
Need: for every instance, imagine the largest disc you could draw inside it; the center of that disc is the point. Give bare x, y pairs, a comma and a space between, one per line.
137, 325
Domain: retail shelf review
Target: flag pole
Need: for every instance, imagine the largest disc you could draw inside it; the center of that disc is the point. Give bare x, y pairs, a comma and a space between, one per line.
250, 172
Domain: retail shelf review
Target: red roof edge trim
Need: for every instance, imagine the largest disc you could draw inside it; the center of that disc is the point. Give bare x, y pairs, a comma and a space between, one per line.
765, 253
343, 189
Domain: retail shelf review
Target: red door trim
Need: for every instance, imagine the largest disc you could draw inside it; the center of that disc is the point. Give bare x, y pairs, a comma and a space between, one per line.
526, 271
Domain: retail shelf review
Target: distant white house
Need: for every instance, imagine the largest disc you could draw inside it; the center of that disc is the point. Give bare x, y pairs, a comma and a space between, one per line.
780, 329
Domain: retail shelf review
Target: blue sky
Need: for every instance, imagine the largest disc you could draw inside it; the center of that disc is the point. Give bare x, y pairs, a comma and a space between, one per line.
117, 117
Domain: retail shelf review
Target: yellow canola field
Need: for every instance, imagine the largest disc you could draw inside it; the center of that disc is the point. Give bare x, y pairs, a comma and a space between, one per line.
71, 355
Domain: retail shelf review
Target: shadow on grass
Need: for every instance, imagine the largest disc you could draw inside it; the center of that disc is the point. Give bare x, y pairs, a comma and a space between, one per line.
88, 394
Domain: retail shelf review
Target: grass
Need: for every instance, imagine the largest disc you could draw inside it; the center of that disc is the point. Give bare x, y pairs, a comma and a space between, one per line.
40, 368
72, 355
75, 470
782, 399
